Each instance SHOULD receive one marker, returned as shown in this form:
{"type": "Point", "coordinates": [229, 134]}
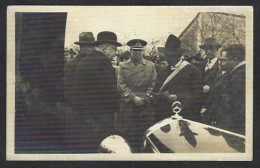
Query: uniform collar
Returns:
{"type": "Point", "coordinates": [143, 61]}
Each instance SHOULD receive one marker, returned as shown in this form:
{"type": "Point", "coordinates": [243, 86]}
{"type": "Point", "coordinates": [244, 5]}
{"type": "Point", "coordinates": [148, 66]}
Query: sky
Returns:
{"type": "Point", "coordinates": [149, 23]}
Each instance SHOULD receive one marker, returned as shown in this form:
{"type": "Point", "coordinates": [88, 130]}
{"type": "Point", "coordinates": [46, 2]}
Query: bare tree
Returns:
{"type": "Point", "coordinates": [227, 28]}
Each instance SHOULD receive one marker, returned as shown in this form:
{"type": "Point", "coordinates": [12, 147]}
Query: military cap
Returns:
{"type": "Point", "coordinates": [137, 44]}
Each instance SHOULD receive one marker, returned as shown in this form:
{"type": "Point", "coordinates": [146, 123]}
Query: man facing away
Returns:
{"type": "Point", "coordinates": [98, 99]}
{"type": "Point", "coordinates": [136, 79]}
{"type": "Point", "coordinates": [86, 45]}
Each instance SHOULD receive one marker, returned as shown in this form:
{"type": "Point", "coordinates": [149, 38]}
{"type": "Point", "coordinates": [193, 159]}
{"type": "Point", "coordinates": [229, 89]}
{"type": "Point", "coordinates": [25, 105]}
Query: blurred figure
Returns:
{"type": "Point", "coordinates": [136, 79]}
{"type": "Point", "coordinates": [86, 44]}
{"type": "Point", "coordinates": [186, 53]}
{"type": "Point", "coordinates": [155, 59]}
{"type": "Point", "coordinates": [115, 144]}
{"type": "Point", "coordinates": [197, 61]}
{"type": "Point", "coordinates": [163, 63]}
{"type": "Point", "coordinates": [124, 56]}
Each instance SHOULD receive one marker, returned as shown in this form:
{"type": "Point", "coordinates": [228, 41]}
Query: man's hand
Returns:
{"type": "Point", "coordinates": [206, 88]}
{"type": "Point", "coordinates": [138, 101]}
{"type": "Point", "coordinates": [172, 97]}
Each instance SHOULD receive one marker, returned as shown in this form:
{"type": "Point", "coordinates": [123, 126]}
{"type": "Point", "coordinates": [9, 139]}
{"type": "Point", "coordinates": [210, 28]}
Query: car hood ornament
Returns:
{"type": "Point", "coordinates": [176, 108]}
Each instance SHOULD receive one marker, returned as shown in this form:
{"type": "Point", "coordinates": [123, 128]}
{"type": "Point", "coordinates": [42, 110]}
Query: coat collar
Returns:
{"type": "Point", "coordinates": [143, 61]}
{"type": "Point", "coordinates": [134, 69]}
{"type": "Point", "coordinates": [239, 65]}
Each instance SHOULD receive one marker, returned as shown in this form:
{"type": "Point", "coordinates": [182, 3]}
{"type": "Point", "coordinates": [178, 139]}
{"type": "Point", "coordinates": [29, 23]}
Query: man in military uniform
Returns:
{"type": "Point", "coordinates": [179, 81]}
{"type": "Point", "coordinates": [136, 79]}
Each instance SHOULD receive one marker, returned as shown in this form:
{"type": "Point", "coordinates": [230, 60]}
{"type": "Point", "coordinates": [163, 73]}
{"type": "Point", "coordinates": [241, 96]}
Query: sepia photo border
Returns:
{"type": "Point", "coordinates": [10, 99]}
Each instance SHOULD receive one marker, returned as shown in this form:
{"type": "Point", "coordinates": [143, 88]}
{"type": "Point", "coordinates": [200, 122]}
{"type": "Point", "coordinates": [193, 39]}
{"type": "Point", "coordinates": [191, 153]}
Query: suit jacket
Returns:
{"type": "Point", "coordinates": [210, 76]}
{"type": "Point", "coordinates": [215, 99]}
{"type": "Point", "coordinates": [233, 105]}
{"type": "Point", "coordinates": [187, 85]}
{"type": "Point", "coordinates": [96, 85]}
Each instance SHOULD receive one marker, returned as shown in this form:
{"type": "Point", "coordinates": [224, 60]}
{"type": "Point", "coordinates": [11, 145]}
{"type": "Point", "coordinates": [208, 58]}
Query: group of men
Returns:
{"type": "Point", "coordinates": [128, 99]}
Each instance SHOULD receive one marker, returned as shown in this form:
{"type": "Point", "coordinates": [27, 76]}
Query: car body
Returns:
{"type": "Point", "coordinates": [178, 135]}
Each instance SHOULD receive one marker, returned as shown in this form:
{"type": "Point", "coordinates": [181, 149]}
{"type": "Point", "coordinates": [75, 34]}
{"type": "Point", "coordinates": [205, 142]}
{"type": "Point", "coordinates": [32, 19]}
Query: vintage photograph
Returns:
{"type": "Point", "coordinates": [129, 83]}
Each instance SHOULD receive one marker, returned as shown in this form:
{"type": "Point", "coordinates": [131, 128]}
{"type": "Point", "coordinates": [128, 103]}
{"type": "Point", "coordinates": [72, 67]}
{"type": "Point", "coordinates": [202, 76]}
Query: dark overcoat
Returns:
{"type": "Point", "coordinates": [233, 105]}
{"type": "Point", "coordinates": [98, 99]}
{"type": "Point", "coordinates": [214, 99]}
{"type": "Point", "coordinates": [187, 86]}
{"type": "Point", "coordinates": [210, 77]}
{"type": "Point", "coordinates": [70, 79]}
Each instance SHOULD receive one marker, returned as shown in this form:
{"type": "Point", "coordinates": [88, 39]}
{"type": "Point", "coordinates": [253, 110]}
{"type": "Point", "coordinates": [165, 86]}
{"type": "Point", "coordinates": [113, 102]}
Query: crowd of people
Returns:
{"type": "Point", "coordinates": [129, 96]}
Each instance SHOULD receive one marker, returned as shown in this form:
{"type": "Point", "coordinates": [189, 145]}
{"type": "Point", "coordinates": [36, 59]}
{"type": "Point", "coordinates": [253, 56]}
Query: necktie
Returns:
{"type": "Point", "coordinates": [207, 65]}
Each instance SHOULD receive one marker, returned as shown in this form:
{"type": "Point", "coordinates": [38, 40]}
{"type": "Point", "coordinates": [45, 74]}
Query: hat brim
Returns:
{"type": "Point", "coordinates": [208, 46]}
{"type": "Point", "coordinates": [137, 48]}
{"type": "Point", "coordinates": [164, 50]}
{"type": "Point", "coordinates": [109, 42]}
{"type": "Point", "coordinates": [132, 42]}
{"type": "Point", "coordinates": [84, 42]}
{"type": "Point", "coordinates": [199, 59]}
{"type": "Point", "coordinates": [161, 49]}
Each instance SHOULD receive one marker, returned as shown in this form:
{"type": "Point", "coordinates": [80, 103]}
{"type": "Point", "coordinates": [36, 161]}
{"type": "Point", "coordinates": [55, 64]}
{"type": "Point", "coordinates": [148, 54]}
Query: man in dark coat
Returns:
{"type": "Point", "coordinates": [211, 71]}
{"type": "Point", "coordinates": [179, 81]}
{"type": "Point", "coordinates": [232, 109]}
{"type": "Point", "coordinates": [136, 79]}
{"type": "Point", "coordinates": [86, 41]}
{"type": "Point", "coordinates": [98, 99]}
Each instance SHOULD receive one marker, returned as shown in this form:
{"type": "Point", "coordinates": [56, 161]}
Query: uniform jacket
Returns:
{"type": "Point", "coordinates": [135, 81]}
{"type": "Point", "coordinates": [187, 85]}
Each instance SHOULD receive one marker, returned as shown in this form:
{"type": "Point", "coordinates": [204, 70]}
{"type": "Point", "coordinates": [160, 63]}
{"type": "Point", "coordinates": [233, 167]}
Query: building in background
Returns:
{"type": "Point", "coordinates": [227, 28]}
